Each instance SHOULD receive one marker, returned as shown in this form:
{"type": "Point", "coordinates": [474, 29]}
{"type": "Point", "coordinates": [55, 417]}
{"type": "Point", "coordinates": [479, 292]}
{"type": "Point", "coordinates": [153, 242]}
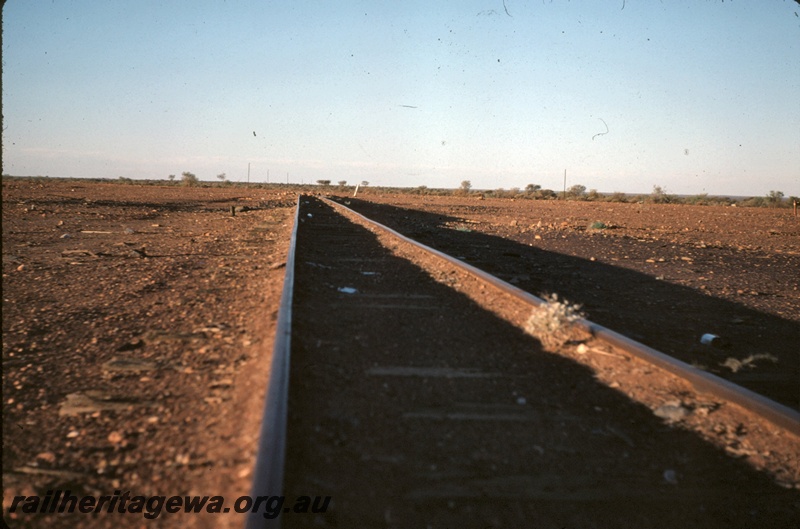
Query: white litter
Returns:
{"type": "Point", "coordinates": [347, 290]}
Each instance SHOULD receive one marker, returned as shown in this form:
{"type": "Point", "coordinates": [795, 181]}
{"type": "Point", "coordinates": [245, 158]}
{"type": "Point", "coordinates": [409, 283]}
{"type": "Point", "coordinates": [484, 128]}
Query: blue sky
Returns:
{"type": "Point", "coordinates": [698, 96]}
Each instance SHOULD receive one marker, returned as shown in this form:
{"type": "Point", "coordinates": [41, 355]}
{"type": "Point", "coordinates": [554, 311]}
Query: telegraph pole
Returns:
{"type": "Point", "coordinates": [248, 174]}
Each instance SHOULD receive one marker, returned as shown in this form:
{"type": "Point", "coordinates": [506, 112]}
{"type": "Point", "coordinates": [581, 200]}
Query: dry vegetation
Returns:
{"type": "Point", "coordinates": [577, 192]}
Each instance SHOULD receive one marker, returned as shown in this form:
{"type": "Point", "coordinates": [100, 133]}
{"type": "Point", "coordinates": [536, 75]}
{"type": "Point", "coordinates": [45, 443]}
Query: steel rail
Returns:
{"type": "Point", "coordinates": [269, 467]}
{"type": "Point", "coordinates": [780, 415]}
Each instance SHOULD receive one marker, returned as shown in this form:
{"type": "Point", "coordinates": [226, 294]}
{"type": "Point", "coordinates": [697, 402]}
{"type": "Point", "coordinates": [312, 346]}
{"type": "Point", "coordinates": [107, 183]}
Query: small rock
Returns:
{"type": "Point", "coordinates": [95, 401]}
{"type": "Point", "coordinates": [222, 383]}
{"type": "Point", "coordinates": [66, 236]}
{"type": "Point", "coordinates": [582, 349]}
{"type": "Point", "coordinates": [130, 365]}
{"type": "Point", "coordinates": [129, 231]}
{"type": "Point", "coordinates": [671, 477]}
{"type": "Point", "coordinates": [137, 343]}
{"type": "Point", "coordinates": [671, 411]}
{"type": "Point", "coordinates": [347, 290]}
{"type": "Point", "coordinates": [48, 457]}
{"type": "Point", "coordinates": [115, 437]}
{"type": "Point", "coordinates": [521, 401]}
{"type": "Point", "coordinates": [73, 434]}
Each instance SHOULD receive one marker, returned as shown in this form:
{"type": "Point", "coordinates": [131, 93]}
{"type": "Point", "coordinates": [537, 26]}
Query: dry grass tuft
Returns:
{"type": "Point", "coordinates": [553, 323]}
{"type": "Point", "coordinates": [736, 365]}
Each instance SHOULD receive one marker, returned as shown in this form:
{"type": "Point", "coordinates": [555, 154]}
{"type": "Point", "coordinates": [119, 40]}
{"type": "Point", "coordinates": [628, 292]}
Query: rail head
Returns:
{"type": "Point", "coordinates": [778, 414]}
{"type": "Point", "coordinates": [269, 467]}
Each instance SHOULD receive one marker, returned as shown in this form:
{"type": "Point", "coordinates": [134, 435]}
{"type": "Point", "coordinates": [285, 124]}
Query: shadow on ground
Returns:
{"type": "Point", "coordinates": [668, 317]}
{"type": "Point", "coordinates": [412, 406]}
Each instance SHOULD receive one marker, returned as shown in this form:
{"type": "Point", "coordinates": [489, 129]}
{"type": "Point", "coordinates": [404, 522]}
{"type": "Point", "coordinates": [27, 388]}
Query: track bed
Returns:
{"type": "Point", "coordinates": [411, 405]}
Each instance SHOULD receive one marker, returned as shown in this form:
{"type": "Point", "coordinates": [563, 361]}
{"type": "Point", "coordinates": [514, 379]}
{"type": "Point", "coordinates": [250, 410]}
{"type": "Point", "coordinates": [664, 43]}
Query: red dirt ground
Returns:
{"type": "Point", "coordinates": [137, 335]}
{"type": "Point", "coordinates": [138, 320]}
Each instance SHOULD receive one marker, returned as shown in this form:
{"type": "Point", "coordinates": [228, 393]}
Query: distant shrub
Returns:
{"type": "Point", "coordinates": [754, 202]}
{"type": "Point", "coordinates": [660, 196]}
{"type": "Point", "coordinates": [576, 191]}
{"type": "Point", "coordinates": [618, 196]}
{"type": "Point", "coordinates": [189, 179]}
{"type": "Point", "coordinates": [775, 199]}
{"type": "Point", "coordinates": [514, 192]}
{"type": "Point", "coordinates": [697, 200]}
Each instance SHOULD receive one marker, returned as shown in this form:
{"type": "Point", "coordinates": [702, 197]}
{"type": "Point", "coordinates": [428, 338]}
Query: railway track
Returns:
{"type": "Point", "coordinates": [404, 387]}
